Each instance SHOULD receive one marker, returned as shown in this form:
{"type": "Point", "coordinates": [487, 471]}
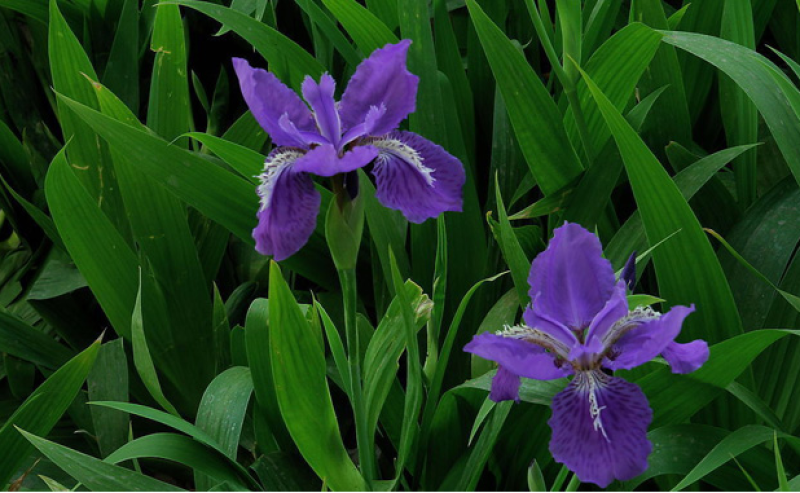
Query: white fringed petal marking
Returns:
{"type": "Point", "coordinates": [594, 408]}
{"type": "Point", "coordinates": [635, 317]}
{"type": "Point", "coordinates": [393, 147]}
{"type": "Point", "coordinates": [535, 336]}
{"type": "Point", "coordinates": [276, 163]}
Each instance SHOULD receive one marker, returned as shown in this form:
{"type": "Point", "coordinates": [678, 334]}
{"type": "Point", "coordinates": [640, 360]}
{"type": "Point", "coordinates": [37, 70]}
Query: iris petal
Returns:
{"type": "Point", "coordinates": [381, 79]}
{"type": "Point", "coordinates": [518, 357]}
{"type": "Point", "coordinates": [535, 319]}
{"type": "Point", "coordinates": [574, 279]}
{"type": "Point", "coordinates": [599, 428]}
{"type": "Point", "coordinates": [320, 97]}
{"type": "Point", "coordinates": [505, 386]}
{"type": "Point", "coordinates": [616, 308]}
{"type": "Point", "coordinates": [269, 99]}
{"type": "Point", "coordinates": [641, 344]}
{"type": "Point", "coordinates": [289, 207]}
{"type": "Point", "coordinates": [686, 358]}
{"type": "Point", "coordinates": [325, 161]}
{"type": "Point", "coordinates": [416, 176]}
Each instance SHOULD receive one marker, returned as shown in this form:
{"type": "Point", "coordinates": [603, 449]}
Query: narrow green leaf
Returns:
{"type": "Point", "coordinates": [483, 448]}
{"type": "Point", "coordinates": [142, 360]}
{"type": "Point", "coordinates": [739, 114]}
{"type": "Point", "coordinates": [222, 412]}
{"type": "Point", "coordinates": [95, 474]}
{"type": "Point", "coordinates": [169, 110]}
{"type": "Point", "coordinates": [337, 348]}
{"type": "Point", "coordinates": [789, 297]}
{"type": "Point", "coordinates": [515, 257]}
{"type": "Point", "coordinates": [108, 380]}
{"type": "Point", "coordinates": [90, 161]}
{"type": "Point", "coordinates": [161, 229]}
{"type": "Point", "coordinates": [331, 31]}
{"type": "Point", "coordinates": [534, 115]}
{"type": "Point", "coordinates": [27, 343]}
{"type": "Point", "coordinates": [275, 47]}
{"type": "Point", "coordinates": [185, 451]}
{"type": "Point", "coordinates": [121, 74]}
{"type": "Point", "coordinates": [670, 119]}
{"type": "Point", "coordinates": [364, 27]}
{"type": "Point", "coordinates": [783, 483]}
{"type": "Point", "coordinates": [536, 478]}
{"type": "Point", "coordinates": [631, 236]}
{"type": "Point", "coordinates": [298, 365]}
{"type": "Point", "coordinates": [381, 360]}
{"type": "Point", "coordinates": [218, 194]}
{"type": "Point", "coordinates": [688, 271]}
{"type": "Point", "coordinates": [414, 391]}
{"type": "Point", "coordinates": [42, 409]}
{"type": "Point", "coordinates": [766, 85]}
{"type": "Point", "coordinates": [174, 422]}
{"type": "Point", "coordinates": [731, 446]}
{"type": "Point", "coordinates": [101, 254]}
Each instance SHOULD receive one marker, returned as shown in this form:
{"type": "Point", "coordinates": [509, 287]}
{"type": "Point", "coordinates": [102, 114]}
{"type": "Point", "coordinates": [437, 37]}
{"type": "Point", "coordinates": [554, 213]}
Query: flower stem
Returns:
{"type": "Point", "coordinates": [366, 456]}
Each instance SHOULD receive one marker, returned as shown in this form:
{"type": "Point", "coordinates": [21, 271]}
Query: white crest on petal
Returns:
{"type": "Point", "coordinates": [535, 336]}
{"type": "Point", "coordinates": [275, 164]}
{"type": "Point", "coordinates": [393, 147]}
{"type": "Point", "coordinates": [633, 319]}
{"type": "Point", "coordinates": [590, 382]}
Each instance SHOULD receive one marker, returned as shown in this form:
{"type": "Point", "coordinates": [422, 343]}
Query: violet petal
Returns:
{"type": "Point", "coordinates": [324, 160]}
{"type": "Point", "coordinates": [320, 97]}
{"type": "Point", "coordinates": [615, 309]}
{"type": "Point", "coordinates": [599, 428]}
{"type": "Point", "coordinates": [381, 79]}
{"type": "Point", "coordinates": [290, 205]}
{"type": "Point", "coordinates": [518, 357]}
{"type": "Point", "coordinates": [416, 176]}
{"type": "Point", "coordinates": [574, 279]}
{"type": "Point", "coordinates": [505, 386]}
{"type": "Point", "coordinates": [686, 358]}
{"type": "Point", "coordinates": [269, 99]}
{"type": "Point", "coordinates": [535, 319]}
{"type": "Point", "coordinates": [646, 341]}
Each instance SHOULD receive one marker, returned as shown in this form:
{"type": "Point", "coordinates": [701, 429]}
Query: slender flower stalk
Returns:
{"type": "Point", "coordinates": [333, 139]}
{"type": "Point", "coordinates": [580, 324]}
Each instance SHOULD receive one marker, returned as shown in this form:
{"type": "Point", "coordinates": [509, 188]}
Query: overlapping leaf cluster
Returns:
{"type": "Point", "coordinates": [138, 323]}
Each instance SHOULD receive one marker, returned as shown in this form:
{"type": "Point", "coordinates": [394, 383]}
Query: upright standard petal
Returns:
{"type": "Point", "coordinates": [644, 342]}
{"type": "Point", "coordinates": [505, 386]}
{"type": "Point", "coordinates": [574, 279]}
{"type": "Point", "coordinates": [616, 309]}
{"type": "Point", "coordinates": [289, 207]}
{"type": "Point", "coordinates": [416, 176]}
{"type": "Point", "coordinates": [269, 99]}
{"type": "Point", "coordinates": [518, 357]}
{"type": "Point", "coordinates": [381, 80]}
{"type": "Point", "coordinates": [535, 319]}
{"type": "Point", "coordinates": [320, 97]}
{"type": "Point", "coordinates": [324, 160]}
{"type": "Point", "coordinates": [686, 358]}
{"type": "Point", "coordinates": [599, 428]}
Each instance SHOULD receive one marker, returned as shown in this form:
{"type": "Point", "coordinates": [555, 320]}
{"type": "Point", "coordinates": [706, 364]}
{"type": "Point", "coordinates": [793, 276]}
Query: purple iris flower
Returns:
{"type": "Point", "coordinates": [579, 324]}
{"type": "Point", "coordinates": [327, 138]}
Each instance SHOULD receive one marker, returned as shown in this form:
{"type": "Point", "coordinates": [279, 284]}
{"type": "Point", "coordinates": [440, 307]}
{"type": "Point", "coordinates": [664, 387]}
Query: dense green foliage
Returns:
{"type": "Point", "coordinates": [146, 346]}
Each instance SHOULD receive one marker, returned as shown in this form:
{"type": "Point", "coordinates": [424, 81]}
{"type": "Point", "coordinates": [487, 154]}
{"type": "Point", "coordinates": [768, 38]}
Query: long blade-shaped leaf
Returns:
{"type": "Point", "coordinates": [42, 410]}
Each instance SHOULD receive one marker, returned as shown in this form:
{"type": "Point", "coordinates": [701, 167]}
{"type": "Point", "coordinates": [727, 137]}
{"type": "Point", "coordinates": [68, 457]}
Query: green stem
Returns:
{"type": "Point", "coordinates": [365, 444]}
